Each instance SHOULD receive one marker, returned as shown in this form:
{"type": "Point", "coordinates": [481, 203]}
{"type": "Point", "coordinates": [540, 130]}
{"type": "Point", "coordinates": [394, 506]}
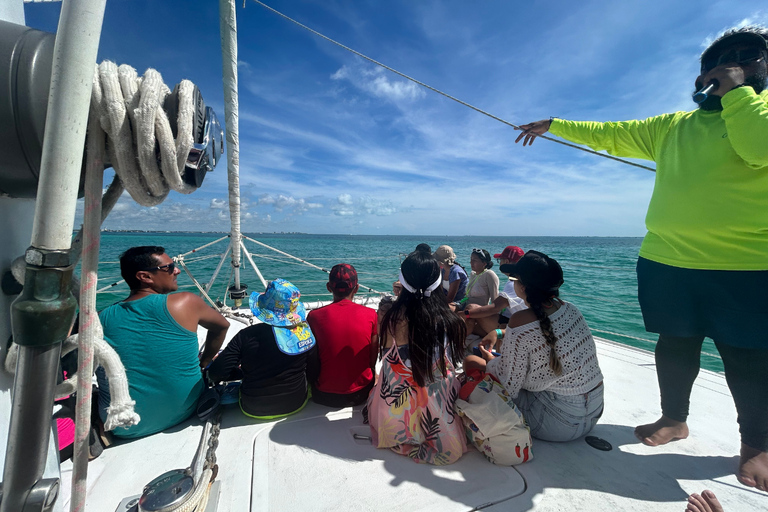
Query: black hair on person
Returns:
{"type": "Point", "coordinates": [138, 258]}
{"type": "Point", "coordinates": [485, 257]}
{"type": "Point", "coordinates": [536, 297]}
{"type": "Point", "coordinates": [429, 319]}
{"type": "Point", "coordinates": [423, 248]}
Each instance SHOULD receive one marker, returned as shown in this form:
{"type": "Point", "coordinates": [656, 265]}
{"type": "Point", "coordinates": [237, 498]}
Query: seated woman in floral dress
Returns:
{"type": "Point", "coordinates": [411, 408]}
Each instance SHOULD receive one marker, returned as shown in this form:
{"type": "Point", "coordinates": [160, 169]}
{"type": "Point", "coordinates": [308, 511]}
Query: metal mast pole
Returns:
{"type": "Point", "coordinates": [228, 27]}
{"type": "Point", "coordinates": [43, 313]}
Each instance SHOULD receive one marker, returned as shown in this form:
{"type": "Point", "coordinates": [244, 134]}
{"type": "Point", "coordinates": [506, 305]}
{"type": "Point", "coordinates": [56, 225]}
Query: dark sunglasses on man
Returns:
{"type": "Point", "coordinates": [741, 56]}
{"type": "Point", "coordinates": [169, 268]}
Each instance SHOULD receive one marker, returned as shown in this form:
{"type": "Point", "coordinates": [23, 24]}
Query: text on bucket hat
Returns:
{"type": "Point", "coordinates": [343, 278]}
{"type": "Point", "coordinates": [537, 270]}
{"type": "Point", "coordinates": [511, 253]}
{"type": "Point", "coordinates": [444, 254]}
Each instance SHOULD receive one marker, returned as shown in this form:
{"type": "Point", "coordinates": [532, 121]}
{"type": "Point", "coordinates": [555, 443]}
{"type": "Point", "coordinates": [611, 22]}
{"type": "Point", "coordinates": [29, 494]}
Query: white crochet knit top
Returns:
{"type": "Point", "coordinates": [524, 360]}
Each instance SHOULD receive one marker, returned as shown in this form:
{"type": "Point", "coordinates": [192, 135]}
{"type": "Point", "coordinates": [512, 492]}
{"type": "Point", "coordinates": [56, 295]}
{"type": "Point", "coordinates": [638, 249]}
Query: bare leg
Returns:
{"type": "Point", "coordinates": [662, 431]}
{"type": "Point", "coordinates": [474, 363]}
{"type": "Point", "coordinates": [753, 468]}
{"type": "Point", "coordinates": [707, 502]}
{"type": "Point", "coordinates": [485, 325]}
{"type": "Point", "coordinates": [677, 364]}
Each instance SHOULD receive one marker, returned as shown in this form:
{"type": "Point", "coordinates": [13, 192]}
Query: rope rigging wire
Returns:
{"type": "Point", "coordinates": [438, 91]}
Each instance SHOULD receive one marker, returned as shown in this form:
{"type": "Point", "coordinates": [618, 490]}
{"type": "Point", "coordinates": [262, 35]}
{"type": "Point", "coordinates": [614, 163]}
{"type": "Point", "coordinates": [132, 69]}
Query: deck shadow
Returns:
{"type": "Point", "coordinates": [647, 477]}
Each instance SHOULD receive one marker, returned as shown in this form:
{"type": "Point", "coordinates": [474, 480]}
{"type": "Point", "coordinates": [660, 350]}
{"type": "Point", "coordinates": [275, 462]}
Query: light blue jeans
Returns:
{"type": "Point", "coordinates": [554, 417]}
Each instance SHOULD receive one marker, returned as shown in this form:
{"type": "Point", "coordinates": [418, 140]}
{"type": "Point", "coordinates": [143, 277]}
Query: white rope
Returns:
{"type": "Point", "coordinates": [130, 112]}
{"type": "Point", "coordinates": [90, 325]}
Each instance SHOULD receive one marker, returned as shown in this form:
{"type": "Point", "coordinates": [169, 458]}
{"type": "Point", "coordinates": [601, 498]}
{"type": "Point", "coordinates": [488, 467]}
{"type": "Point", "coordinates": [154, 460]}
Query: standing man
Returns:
{"type": "Point", "coordinates": [344, 364]}
{"type": "Point", "coordinates": [155, 334]}
{"type": "Point", "coordinates": [703, 265]}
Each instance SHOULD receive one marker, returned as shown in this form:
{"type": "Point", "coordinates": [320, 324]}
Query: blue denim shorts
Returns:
{"type": "Point", "coordinates": [555, 417]}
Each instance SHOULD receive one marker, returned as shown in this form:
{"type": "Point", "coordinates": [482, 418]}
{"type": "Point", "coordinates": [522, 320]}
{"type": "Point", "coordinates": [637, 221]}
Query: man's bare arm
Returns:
{"type": "Point", "coordinates": [190, 311]}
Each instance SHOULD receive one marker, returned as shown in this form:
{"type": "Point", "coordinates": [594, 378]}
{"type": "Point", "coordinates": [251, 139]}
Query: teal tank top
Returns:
{"type": "Point", "coordinates": [161, 363]}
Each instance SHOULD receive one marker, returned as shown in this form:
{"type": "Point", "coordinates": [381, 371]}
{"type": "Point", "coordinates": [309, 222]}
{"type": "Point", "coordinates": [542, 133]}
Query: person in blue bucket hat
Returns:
{"type": "Point", "coordinates": [271, 355]}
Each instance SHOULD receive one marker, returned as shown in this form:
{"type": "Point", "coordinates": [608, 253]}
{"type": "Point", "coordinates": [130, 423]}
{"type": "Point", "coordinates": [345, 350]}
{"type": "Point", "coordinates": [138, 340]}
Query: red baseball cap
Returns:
{"type": "Point", "coordinates": [343, 278]}
{"type": "Point", "coordinates": [511, 253]}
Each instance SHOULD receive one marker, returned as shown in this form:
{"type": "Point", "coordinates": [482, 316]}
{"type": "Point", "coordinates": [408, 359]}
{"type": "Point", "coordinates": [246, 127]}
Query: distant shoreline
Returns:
{"type": "Point", "coordinates": [299, 233]}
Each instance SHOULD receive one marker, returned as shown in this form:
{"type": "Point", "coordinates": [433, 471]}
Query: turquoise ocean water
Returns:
{"type": "Point", "coordinates": [599, 272]}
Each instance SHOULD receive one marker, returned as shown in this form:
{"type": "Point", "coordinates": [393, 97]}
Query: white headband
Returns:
{"type": "Point", "coordinates": [427, 292]}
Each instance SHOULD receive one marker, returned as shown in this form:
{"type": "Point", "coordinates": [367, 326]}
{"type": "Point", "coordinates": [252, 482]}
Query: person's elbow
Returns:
{"type": "Point", "coordinates": [215, 324]}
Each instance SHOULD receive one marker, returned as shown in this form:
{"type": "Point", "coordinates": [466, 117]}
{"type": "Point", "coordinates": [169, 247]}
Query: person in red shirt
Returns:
{"type": "Point", "coordinates": [347, 344]}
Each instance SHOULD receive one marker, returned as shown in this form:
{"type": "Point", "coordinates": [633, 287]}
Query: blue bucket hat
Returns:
{"type": "Point", "coordinates": [280, 307]}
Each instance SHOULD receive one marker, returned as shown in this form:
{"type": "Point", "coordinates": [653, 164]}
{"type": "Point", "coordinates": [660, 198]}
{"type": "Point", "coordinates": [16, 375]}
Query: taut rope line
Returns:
{"type": "Point", "coordinates": [457, 100]}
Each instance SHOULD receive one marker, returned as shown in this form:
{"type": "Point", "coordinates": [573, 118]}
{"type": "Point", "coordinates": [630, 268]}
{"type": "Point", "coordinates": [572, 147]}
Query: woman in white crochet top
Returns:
{"type": "Point", "coordinates": [548, 360]}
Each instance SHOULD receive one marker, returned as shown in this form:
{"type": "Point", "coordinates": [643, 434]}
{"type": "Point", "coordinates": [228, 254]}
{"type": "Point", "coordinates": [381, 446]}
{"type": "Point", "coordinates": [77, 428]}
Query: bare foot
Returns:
{"type": "Point", "coordinates": [753, 468]}
{"type": "Point", "coordinates": [707, 502]}
{"type": "Point", "coordinates": [661, 432]}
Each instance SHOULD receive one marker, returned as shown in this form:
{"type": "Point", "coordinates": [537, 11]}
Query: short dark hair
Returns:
{"type": "Point", "coordinates": [138, 258]}
{"type": "Point", "coordinates": [423, 248]}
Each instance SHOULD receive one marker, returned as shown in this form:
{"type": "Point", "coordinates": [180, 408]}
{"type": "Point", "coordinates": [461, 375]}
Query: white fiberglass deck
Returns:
{"type": "Point", "coordinates": [311, 461]}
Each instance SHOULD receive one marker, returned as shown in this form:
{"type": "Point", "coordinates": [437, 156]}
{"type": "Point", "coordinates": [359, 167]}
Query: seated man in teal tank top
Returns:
{"type": "Point", "coordinates": [155, 334]}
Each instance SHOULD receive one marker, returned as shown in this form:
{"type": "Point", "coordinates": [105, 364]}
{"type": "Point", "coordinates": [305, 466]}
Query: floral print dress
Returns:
{"type": "Point", "coordinates": [419, 422]}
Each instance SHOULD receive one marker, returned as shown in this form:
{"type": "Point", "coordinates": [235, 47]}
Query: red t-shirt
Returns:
{"type": "Point", "coordinates": [343, 331]}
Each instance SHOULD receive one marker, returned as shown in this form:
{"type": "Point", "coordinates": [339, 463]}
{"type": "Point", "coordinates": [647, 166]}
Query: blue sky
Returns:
{"type": "Point", "coordinates": [329, 143]}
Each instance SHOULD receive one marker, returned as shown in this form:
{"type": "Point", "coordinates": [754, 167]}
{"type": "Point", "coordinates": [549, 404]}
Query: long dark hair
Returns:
{"type": "Point", "coordinates": [430, 320]}
{"type": "Point", "coordinates": [536, 298]}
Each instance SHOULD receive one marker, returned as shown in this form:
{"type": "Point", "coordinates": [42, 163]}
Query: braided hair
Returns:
{"type": "Point", "coordinates": [536, 299]}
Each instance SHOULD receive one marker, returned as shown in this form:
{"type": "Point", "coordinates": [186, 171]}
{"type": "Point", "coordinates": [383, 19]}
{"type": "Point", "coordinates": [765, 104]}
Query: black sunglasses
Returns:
{"type": "Point", "coordinates": [170, 268]}
{"type": "Point", "coordinates": [741, 57]}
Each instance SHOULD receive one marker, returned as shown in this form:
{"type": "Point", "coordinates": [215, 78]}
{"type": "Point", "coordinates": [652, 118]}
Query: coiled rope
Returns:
{"type": "Point", "coordinates": [438, 91]}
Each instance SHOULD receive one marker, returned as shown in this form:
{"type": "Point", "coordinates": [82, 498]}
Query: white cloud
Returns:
{"type": "Point", "coordinates": [282, 202]}
{"type": "Point", "coordinates": [347, 206]}
{"type": "Point", "coordinates": [218, 204]}
{"type": "Point", "coordinates": [380, 83]}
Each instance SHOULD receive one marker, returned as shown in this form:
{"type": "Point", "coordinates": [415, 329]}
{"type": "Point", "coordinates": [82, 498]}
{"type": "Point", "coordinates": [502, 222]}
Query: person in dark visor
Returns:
{"type": "Point", "coordinates": [707, 237]}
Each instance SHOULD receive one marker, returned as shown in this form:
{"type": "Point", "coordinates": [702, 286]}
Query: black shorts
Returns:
{"type": "Point", "coordinates": [503, 320]}
{"type": "Point", "coordinates": [728, 306]}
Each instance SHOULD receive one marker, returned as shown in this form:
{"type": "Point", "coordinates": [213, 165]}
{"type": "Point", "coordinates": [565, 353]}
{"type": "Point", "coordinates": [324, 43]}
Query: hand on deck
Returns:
{"type": "Point", "coordinates": [532, 130]}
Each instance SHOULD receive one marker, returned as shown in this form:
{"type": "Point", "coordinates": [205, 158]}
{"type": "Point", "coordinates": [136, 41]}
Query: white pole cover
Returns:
{"type": "Point", "coordinates": [74, 59]}
{"type": "Point", "coordinates": [228, 27]}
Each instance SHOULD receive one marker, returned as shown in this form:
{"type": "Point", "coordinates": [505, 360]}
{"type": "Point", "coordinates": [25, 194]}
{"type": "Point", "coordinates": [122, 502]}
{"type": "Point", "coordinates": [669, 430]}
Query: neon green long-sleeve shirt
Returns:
{"type": "Point", "coordinates": [709, 208]}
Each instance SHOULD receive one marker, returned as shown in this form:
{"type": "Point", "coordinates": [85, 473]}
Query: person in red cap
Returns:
{"type": "Point", "coordinates": [347, 343]}
{"type": "Point", "coordinates": [496, 315]}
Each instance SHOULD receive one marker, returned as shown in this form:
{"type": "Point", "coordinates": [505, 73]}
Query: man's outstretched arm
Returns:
{"type": "Point", "coordinates": [633, 139]}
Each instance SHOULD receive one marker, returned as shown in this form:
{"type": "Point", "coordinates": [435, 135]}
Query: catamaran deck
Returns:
{"type": "Point", "coordinates": [311, 461]}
